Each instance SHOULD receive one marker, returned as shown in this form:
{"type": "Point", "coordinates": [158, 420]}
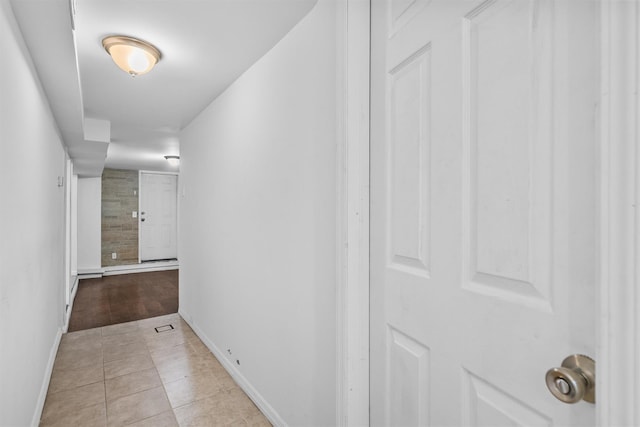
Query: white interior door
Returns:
{"type": "Point", "coordinates": [482, 208]}
{"type": "Point", "coordinates": [158, 216]}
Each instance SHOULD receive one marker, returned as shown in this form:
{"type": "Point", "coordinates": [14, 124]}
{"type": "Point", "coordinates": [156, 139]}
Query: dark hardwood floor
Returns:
{"type": "Point", "coordinates": [124, 298]}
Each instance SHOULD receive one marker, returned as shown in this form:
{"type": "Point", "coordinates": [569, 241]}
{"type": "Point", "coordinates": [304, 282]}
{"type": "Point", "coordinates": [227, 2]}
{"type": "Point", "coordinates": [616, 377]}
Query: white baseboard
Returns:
{"type": "Point", "coordinates": [141, 268]}
{"type": "Point", "coordinates": [67, 315]}
{"type": "Point", "coordinates": [244, 384]}
{"type": "Point", "coordinates": [35, 421]}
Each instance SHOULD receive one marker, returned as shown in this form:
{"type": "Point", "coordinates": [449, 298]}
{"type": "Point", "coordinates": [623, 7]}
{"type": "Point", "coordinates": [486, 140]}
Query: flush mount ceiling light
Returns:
{"type": "Point", "coordinates": [132, 55]}
{"type": "Point", "coordinates": [173, 160]}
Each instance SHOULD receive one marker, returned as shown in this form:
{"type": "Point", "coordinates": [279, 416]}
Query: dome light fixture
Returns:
{"type": "Point", "coordinates": [173, 160]}
{"type": "Point", "coordinates": [133, 56]}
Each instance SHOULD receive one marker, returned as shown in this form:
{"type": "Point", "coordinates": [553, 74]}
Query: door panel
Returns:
{"type": "Point", "coordinates": [507, 138]}
{"type": "Point", "coordinates": [158, 216]}
{"type": "Point", "coordinates": [409, 174]}
{"type": "Point", "coordinates": [482, 208]}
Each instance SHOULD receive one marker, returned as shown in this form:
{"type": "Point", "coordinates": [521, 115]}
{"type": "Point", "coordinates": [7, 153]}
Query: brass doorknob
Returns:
{"type": "Point", "coordinates": [574, 381]}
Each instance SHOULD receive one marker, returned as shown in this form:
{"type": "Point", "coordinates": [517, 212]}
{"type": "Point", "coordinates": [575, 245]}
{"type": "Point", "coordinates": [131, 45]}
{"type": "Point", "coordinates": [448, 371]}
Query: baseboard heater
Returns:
{"type": "Point", "coordinates": [143, 267]}
{"type": "Point", "coordinates": [90, 273]}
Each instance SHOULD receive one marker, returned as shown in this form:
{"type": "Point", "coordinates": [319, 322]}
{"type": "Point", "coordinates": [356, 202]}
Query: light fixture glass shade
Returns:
{"type": "Point", "coordinates": [131, 55]}
{"type": "Point", "coordinates": [173, 160]}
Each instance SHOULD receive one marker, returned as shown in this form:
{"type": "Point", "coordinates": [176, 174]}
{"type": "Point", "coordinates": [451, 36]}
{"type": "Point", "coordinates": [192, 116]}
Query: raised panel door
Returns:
{"type": "Point", "coordinates": [482, 208]}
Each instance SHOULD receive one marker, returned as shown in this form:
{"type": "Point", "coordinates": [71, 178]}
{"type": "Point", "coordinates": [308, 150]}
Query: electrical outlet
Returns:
{"type": "Point", "coordinates": [134, 214]}
{"type": "Point", "coordinates": [114, 255]}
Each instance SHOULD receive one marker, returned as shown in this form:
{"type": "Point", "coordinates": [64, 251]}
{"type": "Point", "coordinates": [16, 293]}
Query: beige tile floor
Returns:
{"type": "Point", "coordinates": [129, 374]}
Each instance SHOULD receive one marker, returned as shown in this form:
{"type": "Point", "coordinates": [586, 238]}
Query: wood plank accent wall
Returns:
{"type": "Point", "coordinates": [119, 228]}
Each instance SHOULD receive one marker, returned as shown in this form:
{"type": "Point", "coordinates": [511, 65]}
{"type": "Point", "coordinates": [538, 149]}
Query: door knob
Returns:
{"type": "Point", "coordinates": [574, 381]}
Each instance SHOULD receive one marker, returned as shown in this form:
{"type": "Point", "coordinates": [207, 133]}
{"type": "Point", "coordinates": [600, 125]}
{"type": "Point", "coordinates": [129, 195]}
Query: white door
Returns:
{"type": "Point", "coordinates": [482, 208]}
{"type": "Point", "coordinates": [158, 216]}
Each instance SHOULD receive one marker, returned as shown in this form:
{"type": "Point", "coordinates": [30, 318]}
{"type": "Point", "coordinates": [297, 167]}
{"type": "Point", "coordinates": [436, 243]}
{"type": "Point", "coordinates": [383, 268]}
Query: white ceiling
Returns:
{"type": "Point", "coordinates": [205, 46]}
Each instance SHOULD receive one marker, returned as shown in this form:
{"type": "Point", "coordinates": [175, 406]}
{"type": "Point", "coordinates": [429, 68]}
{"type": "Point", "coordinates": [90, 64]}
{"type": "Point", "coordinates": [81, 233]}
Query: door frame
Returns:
{"type": "Point", "coordinates": [177, 174]}
{"type": "Point", "coordinates": [618, 290]}
{"type": "Point", "coordinates": [618, 245]}
{"type": "Point", "coordinates": [352, 231]}
{"type": "Point", "coordinates": [65, 182]}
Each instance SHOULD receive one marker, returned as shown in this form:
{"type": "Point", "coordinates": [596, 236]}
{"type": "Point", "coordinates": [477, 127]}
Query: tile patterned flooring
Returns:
{"type": "Point", "coordinates": [129, 374]}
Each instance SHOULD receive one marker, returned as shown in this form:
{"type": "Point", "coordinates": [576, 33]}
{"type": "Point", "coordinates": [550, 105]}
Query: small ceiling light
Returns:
{"type": "Point", "coordinates": [173, 160]}
{"type": "Point", "coordinates": [133, 56]}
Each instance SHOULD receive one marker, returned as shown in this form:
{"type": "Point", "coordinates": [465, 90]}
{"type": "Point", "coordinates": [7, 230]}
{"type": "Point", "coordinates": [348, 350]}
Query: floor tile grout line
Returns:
{"type": "Point", "coordinates": [71, 388]}
{"type": "Point", "coordinates": [175, 416]}
{"type": "Point", "coordinates": [137, 391]}
{"type": "Point", "coordinates": [124, 358]}
{"type": "Point", "coordinates": [146, 418]}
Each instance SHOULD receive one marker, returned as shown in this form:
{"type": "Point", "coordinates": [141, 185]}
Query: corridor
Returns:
{"type": "Point", "coordinates": [348, 179]}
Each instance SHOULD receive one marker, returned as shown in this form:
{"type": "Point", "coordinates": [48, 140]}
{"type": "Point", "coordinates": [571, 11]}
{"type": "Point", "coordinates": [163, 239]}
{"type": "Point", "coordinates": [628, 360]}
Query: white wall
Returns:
{"type": "Point", "coordinates": [89, 224]}
{"type": "Point", "coordinates": [258, 223]}
{"type": "Point", "coordinates": [32, 234]}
